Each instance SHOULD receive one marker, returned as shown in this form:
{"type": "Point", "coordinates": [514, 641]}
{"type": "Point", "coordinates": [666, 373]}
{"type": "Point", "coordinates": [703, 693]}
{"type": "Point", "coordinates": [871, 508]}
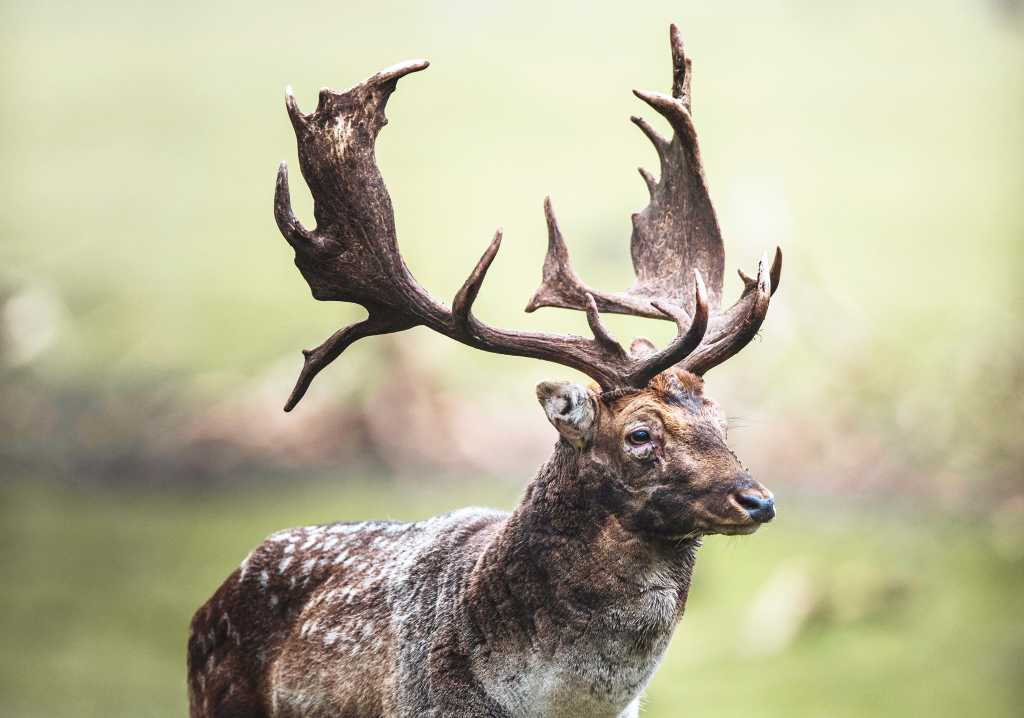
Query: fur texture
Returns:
{"type": "Point", "coordinates": [562, 608]}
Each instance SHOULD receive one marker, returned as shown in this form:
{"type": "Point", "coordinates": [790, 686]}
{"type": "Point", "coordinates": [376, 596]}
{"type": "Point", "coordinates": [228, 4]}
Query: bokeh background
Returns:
{"type": "Point", "coordinates": [151, 320]}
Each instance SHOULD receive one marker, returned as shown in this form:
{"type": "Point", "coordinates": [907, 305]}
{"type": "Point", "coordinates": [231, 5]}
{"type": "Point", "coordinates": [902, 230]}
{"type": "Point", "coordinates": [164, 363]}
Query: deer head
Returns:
{"type": "Point", "coordinates": [656, 459]}
{"type": "Point", "coordinates": [646, 421]}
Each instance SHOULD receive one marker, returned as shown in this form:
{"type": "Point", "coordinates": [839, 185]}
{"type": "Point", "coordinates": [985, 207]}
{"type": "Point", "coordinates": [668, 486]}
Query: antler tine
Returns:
{"type": "Point", "coordinates": [661, 148]}
{"type": "Point", "coordinates": [294, 113]}
{"type": "Point", "coordinates": [292, 230]}
{"type": "Point", "coordinates": [775, 274]}
{"type": "Point", "coordinates": [601, 333]}
{"type": "Point", "coordinates": [652, 184]}
{"type": "Point", "coordinates": [398, 71]}
{"type": "Point", "coordinates": [734, 329]}
{"type": "Point", "coordinates": [680, 67]}
{"type": "Point", "coordinates": [776, 271]}
{"type": "Point", "coordinates": [562, 287]}
{"type": "Point", "coordinates": [688, 337]}
{"type": "Point", "coordinates": [385, 80]}
{"type": "Point", "coordinates": [673, 109]}
{"type": "Point", "coordinates": [462, 306]}
{"type": "Point", "coordinates": [471, 331]}
{"type": "Point", "coordinates": [315, 360]}
{"type": "Point", "coordinates": [560, 281]}
{"type": "Point", "coordinates": [660, 143]}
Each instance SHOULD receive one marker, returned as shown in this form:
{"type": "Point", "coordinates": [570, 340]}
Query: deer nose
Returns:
{"type": "Point", "coordinates": [758, 507]}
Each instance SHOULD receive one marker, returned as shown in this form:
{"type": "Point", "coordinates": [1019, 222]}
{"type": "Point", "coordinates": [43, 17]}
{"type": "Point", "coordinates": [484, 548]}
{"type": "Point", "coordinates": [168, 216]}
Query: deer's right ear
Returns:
{"type": "Point", "coordinates": [570, 409]}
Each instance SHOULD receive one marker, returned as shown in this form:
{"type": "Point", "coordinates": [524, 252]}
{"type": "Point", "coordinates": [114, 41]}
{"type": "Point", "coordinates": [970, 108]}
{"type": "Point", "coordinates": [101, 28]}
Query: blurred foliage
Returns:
{"type": "Point", "coordinates": [150, 321]}
{"type": "Point", "coordinates": [876, 144]}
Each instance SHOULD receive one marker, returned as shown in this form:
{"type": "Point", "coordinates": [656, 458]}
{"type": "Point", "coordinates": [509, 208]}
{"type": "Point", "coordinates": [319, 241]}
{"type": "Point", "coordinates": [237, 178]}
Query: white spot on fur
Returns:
{"type": "Point", "coordinates": [346, 528]}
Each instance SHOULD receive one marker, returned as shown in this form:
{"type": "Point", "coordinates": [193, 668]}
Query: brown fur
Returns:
{"type": "Point", "coordinates": [563, 607]}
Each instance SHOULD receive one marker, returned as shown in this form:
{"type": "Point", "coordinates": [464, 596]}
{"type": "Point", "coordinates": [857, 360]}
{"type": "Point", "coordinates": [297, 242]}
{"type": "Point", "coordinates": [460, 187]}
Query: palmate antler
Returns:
{"type": "Point", "coordinates": [675, 234]}
{"type": "Point", "coordinates": [352, 254]}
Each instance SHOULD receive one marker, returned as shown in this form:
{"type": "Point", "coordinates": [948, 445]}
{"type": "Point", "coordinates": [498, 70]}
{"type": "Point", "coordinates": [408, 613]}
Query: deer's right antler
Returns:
{"type": "Point", "coordinates": [352, 255]}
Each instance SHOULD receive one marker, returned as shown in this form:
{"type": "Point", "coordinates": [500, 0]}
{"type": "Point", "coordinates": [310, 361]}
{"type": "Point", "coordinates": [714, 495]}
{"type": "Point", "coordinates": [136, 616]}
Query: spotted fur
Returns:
{"type": "Point", "coordinates": [562, 608]}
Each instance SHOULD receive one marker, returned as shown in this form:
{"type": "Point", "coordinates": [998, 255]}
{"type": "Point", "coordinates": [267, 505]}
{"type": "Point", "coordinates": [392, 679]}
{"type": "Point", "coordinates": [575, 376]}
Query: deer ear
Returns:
{"type": "Point", "coordinates": [570, 409]}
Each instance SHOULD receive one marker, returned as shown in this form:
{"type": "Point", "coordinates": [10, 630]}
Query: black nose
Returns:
{"type": "Point", "coordinates": [759, 508]}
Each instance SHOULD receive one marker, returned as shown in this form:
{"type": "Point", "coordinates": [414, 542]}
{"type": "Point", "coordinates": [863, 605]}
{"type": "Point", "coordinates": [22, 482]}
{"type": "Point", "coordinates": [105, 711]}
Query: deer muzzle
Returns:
{"type": "Point", "coordinates": [758, 504]}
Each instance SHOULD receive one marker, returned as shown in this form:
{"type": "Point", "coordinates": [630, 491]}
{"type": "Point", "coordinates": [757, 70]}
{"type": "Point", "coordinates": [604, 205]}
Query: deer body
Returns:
{"type": "Point", "coordinates": [565, 606]}
{"type": "Point", "coordinates": [554, 610]}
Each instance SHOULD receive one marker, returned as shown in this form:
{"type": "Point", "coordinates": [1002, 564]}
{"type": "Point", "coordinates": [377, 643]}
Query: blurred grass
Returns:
{"type": "Point", "coordinates": [101, 587]}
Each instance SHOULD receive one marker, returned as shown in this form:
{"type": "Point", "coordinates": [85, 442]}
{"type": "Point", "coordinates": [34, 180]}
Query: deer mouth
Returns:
{"type": "Point", "coordinates": [723, 528]}
{"type": "Point", "coordinates": [730, 529]}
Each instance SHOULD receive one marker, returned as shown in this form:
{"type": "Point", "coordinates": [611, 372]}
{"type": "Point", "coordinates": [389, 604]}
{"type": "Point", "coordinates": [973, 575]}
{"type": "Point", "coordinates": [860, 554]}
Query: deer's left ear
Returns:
{"type": "Point", "coordinates": [570, 409]}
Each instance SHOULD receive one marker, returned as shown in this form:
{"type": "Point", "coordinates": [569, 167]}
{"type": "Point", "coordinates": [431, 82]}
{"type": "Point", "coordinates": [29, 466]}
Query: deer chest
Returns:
{"type": "Point", "coordinates": [598, 671]}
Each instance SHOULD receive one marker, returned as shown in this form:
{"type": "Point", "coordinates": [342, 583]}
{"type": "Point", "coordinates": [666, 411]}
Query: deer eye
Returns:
{"type": "Point", "coordinates": [638, 436]}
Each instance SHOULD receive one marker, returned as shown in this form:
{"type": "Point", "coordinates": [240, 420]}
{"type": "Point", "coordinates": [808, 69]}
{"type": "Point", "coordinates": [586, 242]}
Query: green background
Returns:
{"type": "Point", "coordinates": [144, 289]}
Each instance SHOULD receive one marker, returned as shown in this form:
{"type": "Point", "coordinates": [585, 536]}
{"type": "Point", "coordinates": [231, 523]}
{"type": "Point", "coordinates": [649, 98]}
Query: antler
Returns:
{"type": "Point", "coordinates": [677, 232]}
{"type": "Point", "coordinates": [353, 256]}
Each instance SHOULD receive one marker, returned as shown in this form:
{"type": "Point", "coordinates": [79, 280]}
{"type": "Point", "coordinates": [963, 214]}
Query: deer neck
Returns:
{"type": "Point", "coordinates": [564, 571]}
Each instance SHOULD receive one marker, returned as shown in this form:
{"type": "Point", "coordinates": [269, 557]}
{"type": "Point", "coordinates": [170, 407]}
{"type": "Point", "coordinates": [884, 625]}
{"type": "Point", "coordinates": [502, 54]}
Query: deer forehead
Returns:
{"type": "Point", "coordinates": [675, 399]}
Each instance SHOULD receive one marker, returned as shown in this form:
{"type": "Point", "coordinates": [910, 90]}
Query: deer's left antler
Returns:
{"type": "Point", "coordinates": [674, 235]}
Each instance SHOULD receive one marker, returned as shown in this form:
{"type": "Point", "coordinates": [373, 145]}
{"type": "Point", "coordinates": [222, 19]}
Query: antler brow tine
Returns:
{"type": "Point", "coordinates": [601, 333]}
{"type": "Point", "coordinates": [688, 337]}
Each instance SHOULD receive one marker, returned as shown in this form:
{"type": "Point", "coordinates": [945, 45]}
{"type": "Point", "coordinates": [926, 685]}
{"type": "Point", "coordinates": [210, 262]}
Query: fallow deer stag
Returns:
{"type": "Point", "coordinates": [565, 606]}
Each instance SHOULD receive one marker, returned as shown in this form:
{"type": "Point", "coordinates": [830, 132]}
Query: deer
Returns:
{"type": "Point", "coordinates": [565, 605]}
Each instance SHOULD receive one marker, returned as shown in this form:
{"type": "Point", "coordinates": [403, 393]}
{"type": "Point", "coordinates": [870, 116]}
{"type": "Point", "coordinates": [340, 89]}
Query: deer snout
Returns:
{"type": "Point", "coordinates": [758, 503]}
